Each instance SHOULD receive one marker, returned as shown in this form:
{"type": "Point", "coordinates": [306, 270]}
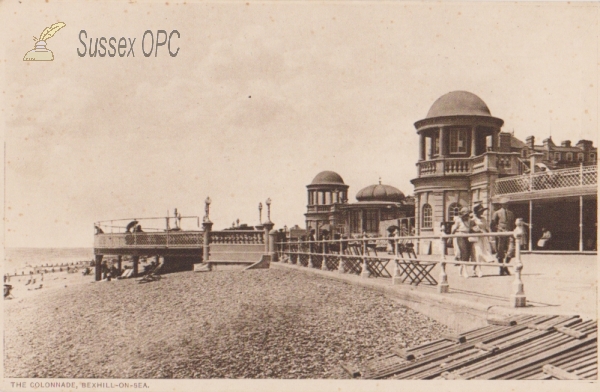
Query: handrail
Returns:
{"type": "Point", "coordinates": [296, 249]}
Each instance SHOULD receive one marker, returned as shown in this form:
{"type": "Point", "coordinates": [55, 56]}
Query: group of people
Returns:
{"type": "Point", "coordinates": [480, 248]}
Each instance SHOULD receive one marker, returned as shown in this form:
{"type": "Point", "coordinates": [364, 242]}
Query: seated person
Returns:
{"type": "Point", "coordinates": [544, 239]}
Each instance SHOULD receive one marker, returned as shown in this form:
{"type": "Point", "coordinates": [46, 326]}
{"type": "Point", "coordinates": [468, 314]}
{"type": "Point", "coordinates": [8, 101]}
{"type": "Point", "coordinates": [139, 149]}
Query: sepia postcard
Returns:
{"type": "Point", "coordinates": [299, 195]}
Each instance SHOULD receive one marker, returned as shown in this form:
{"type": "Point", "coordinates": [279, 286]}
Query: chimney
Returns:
{"type": "Point", "coordinates": [566, 143]}
{"type": "Point", "coordinates": [530, 141]}
{"type": "Point", "coordinates": [505, 141]}
{"type": "Point", "coordinates": [548, 143]}
{"type": "Point", "coordinates": [585, 144]}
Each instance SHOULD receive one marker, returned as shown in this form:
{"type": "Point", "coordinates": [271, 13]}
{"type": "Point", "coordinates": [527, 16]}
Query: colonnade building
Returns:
{"type": "Point", "coordinates": [377, 207]}
{"type": "Point", "coordinates": [465, 159]}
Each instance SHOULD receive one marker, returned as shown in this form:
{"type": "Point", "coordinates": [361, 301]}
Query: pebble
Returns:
{"type": "Point", "coordinates": [224, 324]}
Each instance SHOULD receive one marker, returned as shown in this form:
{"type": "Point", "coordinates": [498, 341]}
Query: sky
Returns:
{"type": "Point", "coordinates": [260, 98]}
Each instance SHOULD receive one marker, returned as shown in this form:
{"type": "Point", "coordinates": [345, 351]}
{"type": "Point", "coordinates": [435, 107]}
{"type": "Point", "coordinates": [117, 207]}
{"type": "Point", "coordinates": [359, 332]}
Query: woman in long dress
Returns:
{"type": "Point", "coordinates": [482, 249]}
{"type": "Point", "coordinates": [462, 226]}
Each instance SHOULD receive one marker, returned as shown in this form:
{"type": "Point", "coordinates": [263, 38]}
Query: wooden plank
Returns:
{"type": "Point", "coordinates": [351, 370]}
{"type": "Point", "coordinates": [512, 351]}
{"type": "Point", "coordinates": [487, 347]}
{"type": "Point", "coordinates": [560, 360]}
{"type": "Point", "coordinates": [504, 322]}
{"type": "Point", "coordinates": [572, 332]}
{"type": "Point", "coordinates": [544, 356]}
{"type": "Point", "coordinates": [454, 337]}
{"type": "Point", "coordinates": [559, 373]}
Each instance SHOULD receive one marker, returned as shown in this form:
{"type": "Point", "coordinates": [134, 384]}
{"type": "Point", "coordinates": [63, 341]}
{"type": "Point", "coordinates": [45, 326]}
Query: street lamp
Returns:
{"type": "Point", "coordinates": [268, 203]}
{"type": "Point", "coordinates": [207, 208]}
{"type": "Point", "coordinates": [260, 213]}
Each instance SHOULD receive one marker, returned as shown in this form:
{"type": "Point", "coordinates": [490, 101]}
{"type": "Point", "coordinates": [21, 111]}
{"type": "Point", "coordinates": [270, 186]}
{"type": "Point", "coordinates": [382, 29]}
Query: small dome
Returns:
{"type": "Point", "coordinates": [458, 103]}
{"type": "Point", "coordinates": [380, 192]}
{"type": "Point", "coordinates": [327, 177]}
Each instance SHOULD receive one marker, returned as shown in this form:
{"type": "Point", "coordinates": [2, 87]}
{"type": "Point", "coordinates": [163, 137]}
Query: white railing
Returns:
{"type": "Point", "coordinates": [359, 256]}
{"type": "Point", "coordinates": [556, 179]}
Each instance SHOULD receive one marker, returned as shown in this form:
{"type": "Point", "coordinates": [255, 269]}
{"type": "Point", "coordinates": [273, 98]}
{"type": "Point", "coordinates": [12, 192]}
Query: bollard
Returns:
{"type": "Point", "coordinates": [443, 286]}
{"type": "Point", "coordinates": [518, 299]}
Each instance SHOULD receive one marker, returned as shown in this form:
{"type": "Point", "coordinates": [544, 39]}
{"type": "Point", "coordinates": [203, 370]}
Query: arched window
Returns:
{"type": "Point", "coordinates": [427, 217]}
{"type": "Point", "coordinates": [453, 210]}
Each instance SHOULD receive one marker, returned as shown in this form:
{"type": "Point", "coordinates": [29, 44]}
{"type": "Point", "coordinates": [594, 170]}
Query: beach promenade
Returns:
{"type": "Point", "coordinates": [554, 285]}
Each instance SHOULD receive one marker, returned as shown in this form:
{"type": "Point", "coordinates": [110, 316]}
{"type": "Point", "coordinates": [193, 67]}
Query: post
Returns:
{"type": "Point", "coordinates": [119, 263]}
{"type": "Point", "coordinates": [518, 299]}
{"type": "Point", "coordinates": [273, 246]}
{"type": "Point", "coordinates": [341, 268]}
{"type": "Point", "coordinates": [268, 226]}
{"type": "Point", "coordinates": [530, 224]}
{"type": "Point", "coordinates": [324, 251]}
{"type": "Point", "coordinates": [397, 279]}
{"type": "Point", "coordinates": [310, 248]}
{"type": "Point", "coordinates": [98, 267]}
{"type": "Point", "coordinates": [581, 223]}
{"type": "Point", "coordinates": [365, 270]}
{"type": "Point", "coordinates": [207, 226]}
{"type": "Point", "coordinates": [136, 261]}
{"type": "Point", "coordinates": [443, 286]}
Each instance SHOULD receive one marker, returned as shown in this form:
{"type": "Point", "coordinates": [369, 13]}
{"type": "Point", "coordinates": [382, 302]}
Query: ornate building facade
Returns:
{"type": "Point", "coordinates": [377, 207]}
{"type": "Point", "coordinates": [465, 159]}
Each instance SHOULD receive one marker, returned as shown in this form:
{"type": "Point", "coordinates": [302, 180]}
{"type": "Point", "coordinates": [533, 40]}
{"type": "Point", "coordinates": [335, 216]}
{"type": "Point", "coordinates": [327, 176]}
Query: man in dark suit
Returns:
{"type": "Point", "coordinates": [503, 220]}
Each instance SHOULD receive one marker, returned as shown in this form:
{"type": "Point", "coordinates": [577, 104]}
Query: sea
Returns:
{"type": "Point", "coordinates": [16, 259]}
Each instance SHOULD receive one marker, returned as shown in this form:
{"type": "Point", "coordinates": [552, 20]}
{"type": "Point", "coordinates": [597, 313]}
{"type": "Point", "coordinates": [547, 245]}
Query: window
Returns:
{"type": "Point", "coordinates": [458, 141]}
{"type": "Point", "coordinates": [453, 210]}
{"type": "Point", "coordinates": [580, 157]}
{"type": "Point", "coordinates": [372, 221]}
{"type": "Point", "coordinates": [354, 221]}
{"type": "Point", "coordinates": [524, 153]}
{"type": "Point", "coordinates": [592, 157]}
{"type": "Point", "coordinates": [436, 145]}
{"type": "Point", "coordinates": [570, 156]}
{"type": "Point", "coordinates": [427, 217]}
{"type": "Point", "coordinates": [489, 143]}
{"type": "Point", "coordinates": [557, 156]}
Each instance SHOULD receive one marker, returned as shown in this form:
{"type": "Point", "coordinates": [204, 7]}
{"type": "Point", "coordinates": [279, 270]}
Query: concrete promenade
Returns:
{"type": "Point", "coordinates": [554, 285]}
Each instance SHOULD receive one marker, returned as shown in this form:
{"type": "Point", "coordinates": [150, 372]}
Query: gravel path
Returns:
{"type": "Point", "coordinates": [223, 324]}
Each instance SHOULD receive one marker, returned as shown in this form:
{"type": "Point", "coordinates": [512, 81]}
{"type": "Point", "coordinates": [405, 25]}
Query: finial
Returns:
{"type": "Point", "coordinates": [379, 180]}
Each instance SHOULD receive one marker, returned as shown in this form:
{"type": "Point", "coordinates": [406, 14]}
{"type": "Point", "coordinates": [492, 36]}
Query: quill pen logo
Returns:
{"type": "Point", "coordinates": [40, 53]}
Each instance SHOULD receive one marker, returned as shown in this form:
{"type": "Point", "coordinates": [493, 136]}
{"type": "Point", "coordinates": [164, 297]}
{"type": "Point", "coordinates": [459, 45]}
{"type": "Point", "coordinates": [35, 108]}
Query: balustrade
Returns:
{"type": "Point", "coordinates": [555, 179]}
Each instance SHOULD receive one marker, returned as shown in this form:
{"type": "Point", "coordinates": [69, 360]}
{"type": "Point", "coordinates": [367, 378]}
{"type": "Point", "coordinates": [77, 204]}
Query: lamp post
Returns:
{"type": "Point", "coordinates": [207, 209]}
{"type": "Point", "coordinates": [260, 213]}
{"type": "Point", "coordinates": [268, 203]}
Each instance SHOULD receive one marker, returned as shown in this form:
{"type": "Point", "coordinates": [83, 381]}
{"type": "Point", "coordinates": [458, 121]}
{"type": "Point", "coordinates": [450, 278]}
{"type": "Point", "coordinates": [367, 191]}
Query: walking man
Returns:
{"type": "Point", "coordinates": [503, 220]}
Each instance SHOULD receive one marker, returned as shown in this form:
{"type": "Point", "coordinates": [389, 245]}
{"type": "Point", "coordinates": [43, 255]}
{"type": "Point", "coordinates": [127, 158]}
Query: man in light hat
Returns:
{"type": "Point", "coordinates": [503, 220]}
{"type": "Point", "coordinates": [462, 225]}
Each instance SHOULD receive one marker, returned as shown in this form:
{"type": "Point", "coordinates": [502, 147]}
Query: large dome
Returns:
{"type": "Point", "coordinates": [327, 177]}
{"type": "Point", "coordinates": [458, 103]}
{"type": "Point", "coordinates": [380, 192]}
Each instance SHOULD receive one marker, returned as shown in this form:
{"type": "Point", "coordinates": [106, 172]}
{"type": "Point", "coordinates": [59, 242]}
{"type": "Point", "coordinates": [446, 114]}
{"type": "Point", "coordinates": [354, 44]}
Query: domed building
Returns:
{"type": "Point", "coordinates": [465, 159]}
{"type": "Point", "coordinates": [377, 207]}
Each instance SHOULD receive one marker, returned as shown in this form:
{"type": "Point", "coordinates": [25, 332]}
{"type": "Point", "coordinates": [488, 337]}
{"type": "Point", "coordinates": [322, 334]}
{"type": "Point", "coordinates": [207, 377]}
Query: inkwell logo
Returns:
{"type": "Point", "coordinates": [40, 53]}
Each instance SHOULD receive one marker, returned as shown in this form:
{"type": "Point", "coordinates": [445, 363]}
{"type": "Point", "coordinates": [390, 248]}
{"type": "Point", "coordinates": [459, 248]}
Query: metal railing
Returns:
{"type": "Point", "coordinates": [334, 255]}
{"type": "Point", "coordinates": [556, 179]}
{"type": "Point", "coordinates": [168, 239]}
